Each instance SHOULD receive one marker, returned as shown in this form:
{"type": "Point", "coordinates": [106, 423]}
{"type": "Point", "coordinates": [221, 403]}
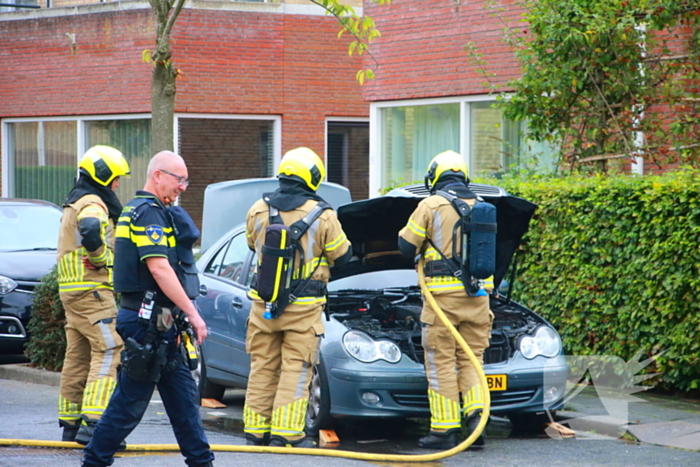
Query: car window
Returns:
{"type": "Point", "coordinates": [214, 266]}
{"type": "Point", "coordinates": [234, 259]}
{"type": "Point", "coordinates": [29, 227]}
{"type": "Point", "coordinates": [252, 270]}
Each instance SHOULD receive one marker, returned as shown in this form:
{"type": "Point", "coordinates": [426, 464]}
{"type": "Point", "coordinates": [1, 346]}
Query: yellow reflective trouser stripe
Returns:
{"type": "Point", "coordinates": [255, 423]}
{"type": "Point", "coordinates": [97, 395]}
{"type": "Point", "coordinates": [444, 413]}
{"type": "Point", "coordinates": [473, 400]}
{"type": "Point", "coordinates": [67, 410]}
{"type": "Point", "coordinates": [335, 243]}
{"type": "Point", "coordinates": [288, 421]}
{"type": "Point", "coordinates": [85, 285]}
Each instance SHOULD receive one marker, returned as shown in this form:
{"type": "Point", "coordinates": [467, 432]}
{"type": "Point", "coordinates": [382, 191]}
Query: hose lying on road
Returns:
{"type": "Point", "coordinates": [325, 452]}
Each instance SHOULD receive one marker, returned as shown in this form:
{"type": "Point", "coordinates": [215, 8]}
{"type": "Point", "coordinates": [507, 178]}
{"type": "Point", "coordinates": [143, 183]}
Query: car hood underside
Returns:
{"type": "Point", "coordinates": [372, 227]}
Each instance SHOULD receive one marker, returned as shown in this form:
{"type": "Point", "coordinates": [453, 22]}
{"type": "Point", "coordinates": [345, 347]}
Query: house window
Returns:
{"type": "Point", "coordinates": [133, 138]}
{"type": "Point", "coordinates": [42, 155]}
{"type": "Point", "coordinates": [347, 156]}
{"type": "Point", "coordinates": [412, 136]}
{"type": "Point", "coordinates": [411, 133]}
{"type": "Point", "coordinates": [42, 159]}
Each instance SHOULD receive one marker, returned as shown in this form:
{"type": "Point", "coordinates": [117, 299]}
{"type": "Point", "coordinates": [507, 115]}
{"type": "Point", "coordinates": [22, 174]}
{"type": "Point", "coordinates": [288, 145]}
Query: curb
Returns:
{"type": "Point", "coordinates": [595, 424]}
{"type": "Point", "coordinates": [27, 374]}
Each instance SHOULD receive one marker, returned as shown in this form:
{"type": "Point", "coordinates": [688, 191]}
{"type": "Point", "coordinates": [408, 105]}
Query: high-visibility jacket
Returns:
{"type": "Point", "coordinates": [323, 243]}
{"type": "Point", "coordinates": [74, 279]}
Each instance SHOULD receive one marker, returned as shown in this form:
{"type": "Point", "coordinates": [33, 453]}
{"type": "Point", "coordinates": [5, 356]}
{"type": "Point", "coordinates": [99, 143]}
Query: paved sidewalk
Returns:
{"type": "Point", "coordinates": [650, 418]}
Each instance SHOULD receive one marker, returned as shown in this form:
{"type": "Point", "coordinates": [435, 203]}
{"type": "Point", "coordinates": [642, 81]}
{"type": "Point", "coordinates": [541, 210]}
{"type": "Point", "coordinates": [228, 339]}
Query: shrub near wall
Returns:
{"type": "Point", "coordinates": [613, 263]}
{"type": "Point", "coordinates": [47, 344]}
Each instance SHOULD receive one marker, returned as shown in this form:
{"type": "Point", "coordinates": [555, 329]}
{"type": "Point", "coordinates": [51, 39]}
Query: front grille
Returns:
{"type": "Point", "coordinates": [419, 400]}
{"type": "Point", "coordinates": [499, 349]}
{"type": "Point", "coordinates": [28, 286]}
{"type": "Point", "coordinates": [501, 398]}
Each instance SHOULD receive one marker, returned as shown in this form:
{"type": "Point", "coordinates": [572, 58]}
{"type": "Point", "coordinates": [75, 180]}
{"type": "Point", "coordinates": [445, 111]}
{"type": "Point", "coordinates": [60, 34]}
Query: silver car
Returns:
{"type": "Point", "coordinates": [371, 362]}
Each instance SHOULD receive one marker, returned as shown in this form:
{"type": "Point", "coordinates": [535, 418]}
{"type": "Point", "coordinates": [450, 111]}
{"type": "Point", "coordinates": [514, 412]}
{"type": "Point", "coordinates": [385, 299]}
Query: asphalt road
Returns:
{"type": "Point", "coordinates": [27, 411]}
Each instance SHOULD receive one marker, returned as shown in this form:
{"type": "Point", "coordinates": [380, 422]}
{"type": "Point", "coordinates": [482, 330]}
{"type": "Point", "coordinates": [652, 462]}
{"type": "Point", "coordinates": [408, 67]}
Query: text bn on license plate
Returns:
{"type": "Point", "coordinates": [497, 382]}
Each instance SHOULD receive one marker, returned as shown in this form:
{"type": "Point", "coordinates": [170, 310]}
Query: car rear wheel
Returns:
{"type": "Point", "coordinates": [207, 389]}
{"type": "Point", "coordinates": [318, 413]}
{"type": "Point", "coordinates": [530, 421]}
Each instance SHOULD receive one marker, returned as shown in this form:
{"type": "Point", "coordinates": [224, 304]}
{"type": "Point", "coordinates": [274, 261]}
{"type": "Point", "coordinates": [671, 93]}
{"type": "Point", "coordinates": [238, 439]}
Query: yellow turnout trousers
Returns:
{"type": "Point", "coordinates": [282, 353]}
{"type": "Point", "coordinates": [447, 367]}
{"type": "Point", "coordinates": [92, 355]}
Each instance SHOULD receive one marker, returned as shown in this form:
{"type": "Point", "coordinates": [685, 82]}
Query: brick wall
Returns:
{"type": "Point", "coordinates": [421, 52]}
{"type": "Point", "coordinates": [232, 62]}
{"type": "Point", "coordinates": [217, 150]}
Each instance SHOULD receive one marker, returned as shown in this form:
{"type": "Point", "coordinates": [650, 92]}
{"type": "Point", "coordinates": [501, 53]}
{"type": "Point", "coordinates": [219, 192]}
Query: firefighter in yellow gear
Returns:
{"type": "Point", "coordinates": [284, 348]}
{"type": "Point", "coordinates": [85, 258]}
{"type": "Point", "coordinates": [429, 232]}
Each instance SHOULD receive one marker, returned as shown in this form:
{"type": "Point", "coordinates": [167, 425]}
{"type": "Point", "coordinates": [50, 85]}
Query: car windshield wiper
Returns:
{"type": "Point", "coordinates": [40, 248]}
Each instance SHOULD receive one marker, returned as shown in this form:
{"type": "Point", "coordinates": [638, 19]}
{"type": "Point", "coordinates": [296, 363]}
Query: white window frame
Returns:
{"type": "Point", "coordinates": [376, 131]}
{"type": "Point", "coordinates": [81, 122]}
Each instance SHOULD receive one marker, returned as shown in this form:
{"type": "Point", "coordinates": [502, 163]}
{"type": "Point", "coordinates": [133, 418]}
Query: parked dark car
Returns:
{"type": "Point", "coordinates": [28, 239]}
{"type": "Point", "coordinates": [371, 362]}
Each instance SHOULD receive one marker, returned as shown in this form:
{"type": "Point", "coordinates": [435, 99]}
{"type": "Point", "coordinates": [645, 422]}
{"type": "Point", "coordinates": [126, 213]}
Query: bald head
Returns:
{"type": "Point", "coordinates": [164, 160]}
{"type": "Point", "coordinates": [166, 176]}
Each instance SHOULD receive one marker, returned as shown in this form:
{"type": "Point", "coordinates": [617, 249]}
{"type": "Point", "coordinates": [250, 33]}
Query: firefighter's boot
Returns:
{"type": "Point", "coordinates": [281, 441]}
{"type": "Point", "coordinates": [70, 430]}
{"type": "Point", "coordinates": [252, 440]}
{"type": "Point", "coordinates": [438, 440]}
{"type": "Point", "coordinates": [472, 423]}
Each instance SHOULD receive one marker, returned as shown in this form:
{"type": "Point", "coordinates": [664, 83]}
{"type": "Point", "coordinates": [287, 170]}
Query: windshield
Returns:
{"type": "Point", "coordinates": [376, 280]}
{"type": "Point", "coordinates": [29, 227]}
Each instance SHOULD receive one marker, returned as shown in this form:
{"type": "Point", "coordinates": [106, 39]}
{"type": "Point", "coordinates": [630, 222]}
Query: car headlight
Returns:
{"type": "Point", "coordinates": [367, 350]}
{"type": "Point", "coordinates": [7, 285]}
{"type": "Point", "coordinates": [544, 341]}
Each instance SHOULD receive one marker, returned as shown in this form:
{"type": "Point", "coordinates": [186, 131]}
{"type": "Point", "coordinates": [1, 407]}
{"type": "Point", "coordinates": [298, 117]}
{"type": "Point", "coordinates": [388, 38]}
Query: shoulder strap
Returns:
{"type": "Point", "coordinates": [462, 207]}
{"type": "Point", "coordinates": [300, 227]}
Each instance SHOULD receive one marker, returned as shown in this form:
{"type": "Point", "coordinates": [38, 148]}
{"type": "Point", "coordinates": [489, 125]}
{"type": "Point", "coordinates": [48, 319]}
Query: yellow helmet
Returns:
{"type": "Point", "coordinates": [445, 163]}
{"type": "Point", "coordinates": [103, 164]}
{"type": "Point", "coordinates": [304, 165]}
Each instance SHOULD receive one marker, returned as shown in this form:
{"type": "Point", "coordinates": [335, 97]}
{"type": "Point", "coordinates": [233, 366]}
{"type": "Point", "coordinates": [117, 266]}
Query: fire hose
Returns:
{"type": "Point", "coordinates": [324, 452]}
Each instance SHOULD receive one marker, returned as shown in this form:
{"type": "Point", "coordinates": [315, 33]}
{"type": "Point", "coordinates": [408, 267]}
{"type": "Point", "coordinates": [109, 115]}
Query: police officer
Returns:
{"type": "Point", "coordinates": [429, 231]}
{"type": "Point", "coordinates": [85, 256]}
{"type": "Point", "coordinates": [283, 349]}
{"type": "Point", "coordinates": [146, 267]}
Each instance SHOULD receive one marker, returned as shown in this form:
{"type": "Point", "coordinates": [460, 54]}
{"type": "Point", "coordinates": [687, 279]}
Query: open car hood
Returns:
{"type": "Point", "coordinates": [373, 225]}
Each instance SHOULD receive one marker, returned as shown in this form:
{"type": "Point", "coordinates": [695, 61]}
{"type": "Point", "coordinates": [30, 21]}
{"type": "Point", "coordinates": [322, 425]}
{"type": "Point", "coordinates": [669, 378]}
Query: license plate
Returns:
{"type": "Point", "coordinates": [497, 382]}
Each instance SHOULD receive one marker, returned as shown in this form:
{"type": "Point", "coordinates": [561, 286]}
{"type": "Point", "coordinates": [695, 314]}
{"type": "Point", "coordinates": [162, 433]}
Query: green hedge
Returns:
{"type": "Point", "coordinates": [47, 344]}
{"type": "Point", "coordinates": [613, 263]}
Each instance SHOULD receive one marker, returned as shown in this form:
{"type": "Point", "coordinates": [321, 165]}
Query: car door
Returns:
{"type": "Point", "coordinates": [225, 306]}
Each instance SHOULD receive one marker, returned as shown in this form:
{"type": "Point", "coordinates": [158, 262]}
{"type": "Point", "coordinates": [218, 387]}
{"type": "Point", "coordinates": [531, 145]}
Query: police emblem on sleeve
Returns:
{"type": "Point", "coordinates": [154, 233]}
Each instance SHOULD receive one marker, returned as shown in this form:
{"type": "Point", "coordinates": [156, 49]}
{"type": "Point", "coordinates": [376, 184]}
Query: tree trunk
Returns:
{"type": "Point", "coordinates": [162, 108]}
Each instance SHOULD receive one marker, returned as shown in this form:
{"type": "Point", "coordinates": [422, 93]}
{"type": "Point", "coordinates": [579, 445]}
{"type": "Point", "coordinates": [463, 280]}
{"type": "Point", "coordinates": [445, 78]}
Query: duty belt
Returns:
{"type": "Point", "coordinates": [132, 301]}
{"type": "Point", "coordinates": [437, 268]}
